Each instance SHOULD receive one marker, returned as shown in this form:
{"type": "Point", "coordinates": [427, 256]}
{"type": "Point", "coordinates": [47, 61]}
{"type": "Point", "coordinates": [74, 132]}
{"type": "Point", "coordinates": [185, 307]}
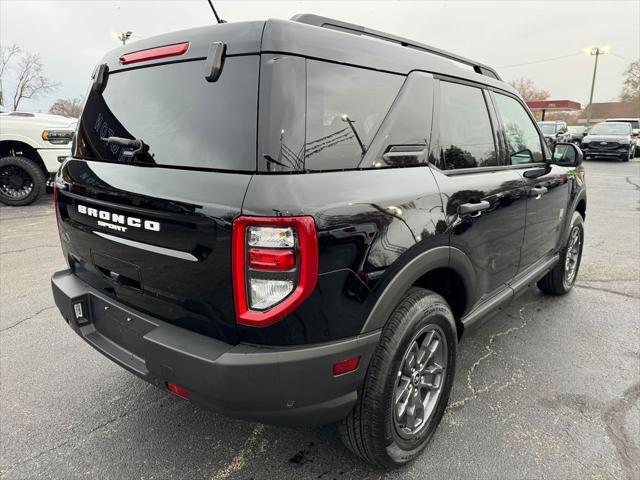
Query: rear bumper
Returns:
{"type": "Point", "coordinates": [279, 385]}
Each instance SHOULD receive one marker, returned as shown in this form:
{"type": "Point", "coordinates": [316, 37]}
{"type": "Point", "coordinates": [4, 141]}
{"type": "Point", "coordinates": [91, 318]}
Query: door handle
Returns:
{"type": "Point", "coordinates": [538, 192]}
{"type": "Point", "coordinates": [473, 207]}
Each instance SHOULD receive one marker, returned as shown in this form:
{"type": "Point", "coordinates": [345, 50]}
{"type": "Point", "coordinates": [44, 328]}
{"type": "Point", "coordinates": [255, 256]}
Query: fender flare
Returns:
{"type": "Point", "coordinates": [397, 286]}
{"type": "Point", "coordinates": [582, 195]}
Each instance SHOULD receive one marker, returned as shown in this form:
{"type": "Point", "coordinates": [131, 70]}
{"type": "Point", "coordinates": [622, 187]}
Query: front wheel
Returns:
{"type": "Point", "coordinates": [561, 279]}
{"type": "Point", "coordinates": [407, 384]}
{"type": "Point", "coordinates": [21, 181]}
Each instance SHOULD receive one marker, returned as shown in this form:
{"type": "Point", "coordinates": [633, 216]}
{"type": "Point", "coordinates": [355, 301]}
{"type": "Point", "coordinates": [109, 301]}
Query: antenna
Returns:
{"type": "Point", "coordinates": [219, 20]}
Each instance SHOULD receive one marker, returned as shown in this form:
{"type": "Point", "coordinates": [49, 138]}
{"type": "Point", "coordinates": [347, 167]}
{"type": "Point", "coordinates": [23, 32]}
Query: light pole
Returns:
{"type": "Point", "coordinates": [595, 51]}
{"type": "Point", "coordinates": [124, 36]}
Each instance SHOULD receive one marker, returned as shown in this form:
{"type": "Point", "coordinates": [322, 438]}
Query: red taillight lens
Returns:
{"type": "Point", "coordinates": [154, 53]}
{"type": "Point", "coordinates": [271, 259]}
{"type": "Point", "coordinates": [345, 366]}
{"type": "Point", "coordinates": [177, 389]}
{"type": "Point", "coordinates": [275, 266]}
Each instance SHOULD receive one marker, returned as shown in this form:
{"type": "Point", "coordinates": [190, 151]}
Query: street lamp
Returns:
{"type": "Point", "coordinates": [594, 51]}
{"type": "Point", "coordinates": [123, 37]}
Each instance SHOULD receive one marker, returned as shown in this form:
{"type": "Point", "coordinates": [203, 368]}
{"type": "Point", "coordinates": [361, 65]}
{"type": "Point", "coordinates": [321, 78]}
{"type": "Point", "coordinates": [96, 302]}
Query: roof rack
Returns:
{"type": "Point", "coordinates": [318, 21]}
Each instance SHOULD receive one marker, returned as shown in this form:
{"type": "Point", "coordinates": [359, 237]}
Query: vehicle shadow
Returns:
{"type": "Point", "coordinates": [212, 446]}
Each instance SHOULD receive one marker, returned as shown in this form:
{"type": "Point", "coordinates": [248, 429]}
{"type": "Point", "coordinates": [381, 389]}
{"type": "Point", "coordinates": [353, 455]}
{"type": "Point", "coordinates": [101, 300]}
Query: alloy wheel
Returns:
{"type": "Point", "coordinates": [420, 381]}
{"type": "Point", "coordinates": [573, 255]}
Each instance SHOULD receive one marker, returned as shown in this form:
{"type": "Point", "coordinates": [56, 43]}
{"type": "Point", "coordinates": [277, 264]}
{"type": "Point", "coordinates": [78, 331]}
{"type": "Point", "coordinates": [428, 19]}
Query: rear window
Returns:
{"type": "Point", "coordinates": [185, 120]}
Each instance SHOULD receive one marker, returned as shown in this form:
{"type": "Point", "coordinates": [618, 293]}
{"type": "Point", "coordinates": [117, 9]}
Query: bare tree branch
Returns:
{"type": "Point", "coordinates": [6, 54]}
{"type": "Point", "coordinates": [31, 80]}
{"type": "Point", "coordinates": [528, 90]}
{"type": "Point", "coordinates": [5, 57]}
{"type": "Point", "coordinates": [67, 107]}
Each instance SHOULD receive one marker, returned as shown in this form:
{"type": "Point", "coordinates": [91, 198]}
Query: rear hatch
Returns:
{"type": "Point", "coordinates": [152, 229]}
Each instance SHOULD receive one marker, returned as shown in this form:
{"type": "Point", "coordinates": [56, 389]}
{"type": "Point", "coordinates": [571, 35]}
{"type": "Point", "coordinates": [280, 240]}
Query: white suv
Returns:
{"type": "Point", "coordinates": [32, 146]}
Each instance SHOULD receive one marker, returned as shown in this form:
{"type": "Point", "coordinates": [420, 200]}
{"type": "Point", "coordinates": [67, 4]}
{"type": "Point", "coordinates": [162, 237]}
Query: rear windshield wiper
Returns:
{"type": "Point", "coordinates": [134, 147]}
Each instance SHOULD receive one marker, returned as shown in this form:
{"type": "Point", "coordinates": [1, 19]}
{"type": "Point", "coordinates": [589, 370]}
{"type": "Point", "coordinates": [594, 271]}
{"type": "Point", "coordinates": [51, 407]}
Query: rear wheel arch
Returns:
{"type": "Point", "coordinates": [444, 270]}
{"type": "Point", "coordinates": [16, 148]}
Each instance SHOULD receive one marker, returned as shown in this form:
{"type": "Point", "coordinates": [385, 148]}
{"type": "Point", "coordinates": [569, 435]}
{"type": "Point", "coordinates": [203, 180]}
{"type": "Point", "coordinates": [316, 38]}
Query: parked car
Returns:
{"type": "Point", "coordinates": [331, 214]}
{"type": "Point", "coordinates": [32, 146]}
{"type": "Point", "coordinates": [609, 140]}
{"type": "Point", "coordinates": [554, 131]}
{"type": "Point", "coordinates": [575, 134]}
{"type": "Point", "coordinates": [635, 130]}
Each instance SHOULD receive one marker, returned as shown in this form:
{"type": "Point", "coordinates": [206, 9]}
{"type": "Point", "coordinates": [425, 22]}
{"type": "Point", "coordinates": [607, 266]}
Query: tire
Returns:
{"type": "Point", "coordinates": [21, 181]}
{"type": "Point", "coordinates": [560, 280]}
{"type": "Point", "coordinates": [372, 431]}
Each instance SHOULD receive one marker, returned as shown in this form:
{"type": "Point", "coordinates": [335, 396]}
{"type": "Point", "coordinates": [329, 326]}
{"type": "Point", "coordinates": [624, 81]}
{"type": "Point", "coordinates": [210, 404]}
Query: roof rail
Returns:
{"type": "Point", "coordinates": [318, 21]}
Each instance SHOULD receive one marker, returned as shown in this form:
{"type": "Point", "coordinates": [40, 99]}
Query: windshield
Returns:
{"type": "Point", "coordinates": [576, 129]}
{"type": "Point", "coordinates": [633, 123]}
{"type": "Point", "coordinates": [547, 128]}
{"type": "Point", "coordinates": [611, 129]}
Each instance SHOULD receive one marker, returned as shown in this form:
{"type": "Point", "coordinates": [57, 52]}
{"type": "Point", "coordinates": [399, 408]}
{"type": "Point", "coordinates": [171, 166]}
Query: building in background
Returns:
{"type": "Point", "coordinates": [602, 111]}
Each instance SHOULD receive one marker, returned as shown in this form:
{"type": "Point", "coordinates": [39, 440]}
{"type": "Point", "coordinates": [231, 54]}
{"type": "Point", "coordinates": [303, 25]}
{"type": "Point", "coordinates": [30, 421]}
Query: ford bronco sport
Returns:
{"type": "Point", "coordinates": [295, 222]}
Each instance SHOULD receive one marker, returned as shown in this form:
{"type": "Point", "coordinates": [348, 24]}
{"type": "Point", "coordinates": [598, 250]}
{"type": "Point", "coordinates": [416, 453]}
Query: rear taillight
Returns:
{"type": "Point", "coordinates": [275, 266]}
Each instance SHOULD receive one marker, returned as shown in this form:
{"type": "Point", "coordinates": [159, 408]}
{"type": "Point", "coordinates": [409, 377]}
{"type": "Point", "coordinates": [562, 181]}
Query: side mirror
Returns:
{"type": "Point", "coordinates": [567, 155]}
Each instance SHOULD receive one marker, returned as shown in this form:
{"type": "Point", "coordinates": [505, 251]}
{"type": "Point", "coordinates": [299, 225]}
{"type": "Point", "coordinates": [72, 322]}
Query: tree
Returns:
{"type": "Point", "coordinates": [30, 80]}
{"type": "Point", "coordinates": [6, 54]}
{"type": "Point", "coordinates": [528, 90]}
{"type": "Point", "coordinates": [67, 107]}
{"type": "Point", "coordinates": [631, 83]}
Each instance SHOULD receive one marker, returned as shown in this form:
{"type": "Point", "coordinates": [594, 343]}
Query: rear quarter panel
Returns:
{"type": "Point", "coordinates": [367, 220]}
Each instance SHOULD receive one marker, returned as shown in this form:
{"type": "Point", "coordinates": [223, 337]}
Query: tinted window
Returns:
{"type": "Point", "coordinates": [344, 104]}
{"type": "Point", "coordinates": [403, 138]}
{"type": "Point", "coordinates": [466, 137]}
{"type": "Point", "coordinates": [523, 139]}
{"type": "Point", "coordinates": [184, 119]}
{"type": "Point", "coordinates": [282, 113]}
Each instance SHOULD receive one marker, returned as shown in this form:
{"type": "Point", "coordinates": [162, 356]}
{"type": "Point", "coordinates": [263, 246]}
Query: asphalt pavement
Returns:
{"type": "Point", "coordinates": [548, 389]}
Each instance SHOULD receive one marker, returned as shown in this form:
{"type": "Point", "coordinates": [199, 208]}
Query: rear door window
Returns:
{"type": "Point", "coordinates": [466, 134]}
{"type": "Point", "coordinates": [185, 120]}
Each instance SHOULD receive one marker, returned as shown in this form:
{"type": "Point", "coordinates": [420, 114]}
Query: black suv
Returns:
{"type": "Point", "coordinates": [295, 222]}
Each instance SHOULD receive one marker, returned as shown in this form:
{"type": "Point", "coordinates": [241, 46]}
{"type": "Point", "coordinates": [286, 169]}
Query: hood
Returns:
{"type": "Point", "coordinates": [46, 120]}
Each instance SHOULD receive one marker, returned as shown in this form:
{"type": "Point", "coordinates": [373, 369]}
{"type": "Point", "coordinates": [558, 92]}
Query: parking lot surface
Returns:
{"type": "Point", "coordinates": [548, 388]}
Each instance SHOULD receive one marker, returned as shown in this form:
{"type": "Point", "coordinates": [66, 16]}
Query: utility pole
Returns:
{"type": "Point", "coordinates": [595, 51]}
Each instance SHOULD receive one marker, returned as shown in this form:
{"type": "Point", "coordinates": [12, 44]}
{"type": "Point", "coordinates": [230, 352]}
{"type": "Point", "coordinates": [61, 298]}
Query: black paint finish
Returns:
{"type": "Point", "coordinates": [378, 217]}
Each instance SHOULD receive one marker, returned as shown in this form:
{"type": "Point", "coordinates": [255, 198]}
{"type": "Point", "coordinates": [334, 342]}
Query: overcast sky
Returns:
{"type": "Point", "coordinates": [71, 36]}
